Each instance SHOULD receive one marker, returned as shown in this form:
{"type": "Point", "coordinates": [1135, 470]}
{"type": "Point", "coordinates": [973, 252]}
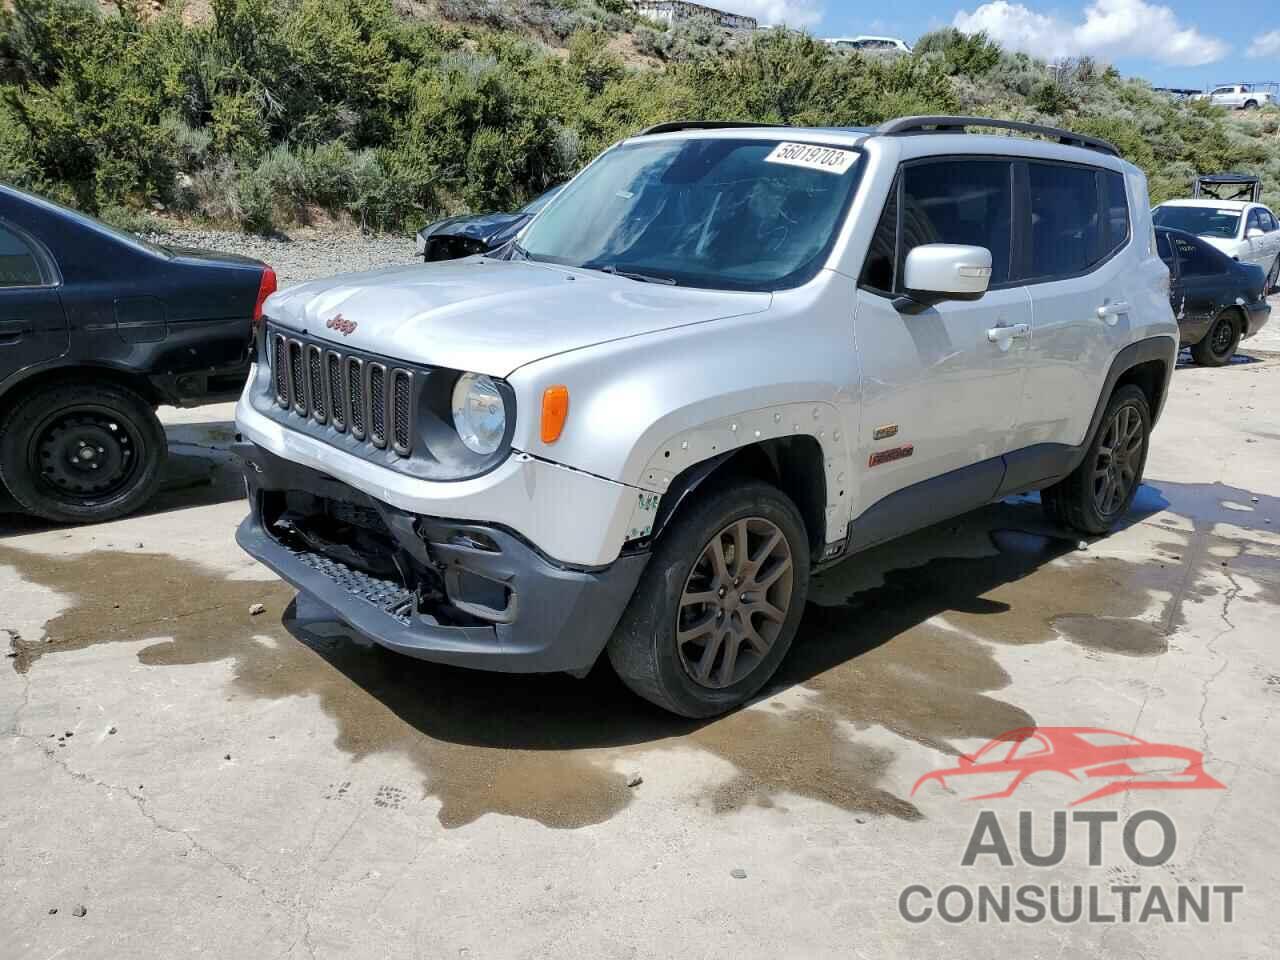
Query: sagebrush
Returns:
{"type": "Point", "coordinates": [272, 111]}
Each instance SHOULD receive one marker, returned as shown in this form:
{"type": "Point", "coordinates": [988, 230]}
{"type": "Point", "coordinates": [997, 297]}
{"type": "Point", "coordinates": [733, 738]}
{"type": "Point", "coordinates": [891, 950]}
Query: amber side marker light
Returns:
{"type": "Point", "coordinates": [555, 409]}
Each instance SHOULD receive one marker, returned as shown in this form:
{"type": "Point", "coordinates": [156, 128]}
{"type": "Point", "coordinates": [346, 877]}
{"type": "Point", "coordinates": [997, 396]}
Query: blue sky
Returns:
{"type": "Point", "coordinates": [1178, 43]}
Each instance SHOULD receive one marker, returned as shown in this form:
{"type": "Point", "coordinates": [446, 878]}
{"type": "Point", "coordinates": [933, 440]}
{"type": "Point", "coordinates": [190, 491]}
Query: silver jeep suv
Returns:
{"type": "Point", "coordinates": [725, 356]}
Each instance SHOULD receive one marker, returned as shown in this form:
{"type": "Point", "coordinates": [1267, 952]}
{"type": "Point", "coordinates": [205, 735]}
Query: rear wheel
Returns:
{"type": "Point", "coordinates": [719, 603]}
{"type": "Point", "coordinates": [1100, 491]}
{"type": "Point", "coordinates": [1219, 344]}
{"type": "Point", "coordinates": [1251, 104]}
{"type": "Point", "coordinates": [78, 453]}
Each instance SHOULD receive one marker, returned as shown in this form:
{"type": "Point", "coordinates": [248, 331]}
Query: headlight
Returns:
{"type": "Point", "coordinates": [479, 414]}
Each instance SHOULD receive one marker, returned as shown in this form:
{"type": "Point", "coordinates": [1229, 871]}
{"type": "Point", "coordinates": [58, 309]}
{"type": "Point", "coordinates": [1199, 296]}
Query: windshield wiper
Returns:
{"type": "Point", "coordinates": [632, 275]}
{"type": "Point", "coordinates": [518, 252]}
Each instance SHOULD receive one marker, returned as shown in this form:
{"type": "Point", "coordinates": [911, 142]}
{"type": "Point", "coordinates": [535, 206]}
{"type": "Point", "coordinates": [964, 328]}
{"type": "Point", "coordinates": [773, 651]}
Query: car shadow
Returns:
{"type": "Point", "coordinates": [946, 568]}
{"type": "Point", "coordinates": [1186, 362]}
{"type": "Point", "coordinates": [200, 470]}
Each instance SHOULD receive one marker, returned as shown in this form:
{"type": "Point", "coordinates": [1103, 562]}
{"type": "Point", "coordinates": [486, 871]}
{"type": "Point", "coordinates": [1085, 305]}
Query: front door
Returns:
{"type": "Point", "coordinates": [940, 386]}
{"type": "Point", "coordinates": [33, 327]}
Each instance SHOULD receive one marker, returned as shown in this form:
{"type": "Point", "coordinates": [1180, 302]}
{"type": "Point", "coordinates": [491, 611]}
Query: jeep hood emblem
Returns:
{"type": "Point", "coordinates": [341, 324]}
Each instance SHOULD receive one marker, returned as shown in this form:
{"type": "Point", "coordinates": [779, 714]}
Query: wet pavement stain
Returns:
{"type": "Point", "coordinates": [900, 637]}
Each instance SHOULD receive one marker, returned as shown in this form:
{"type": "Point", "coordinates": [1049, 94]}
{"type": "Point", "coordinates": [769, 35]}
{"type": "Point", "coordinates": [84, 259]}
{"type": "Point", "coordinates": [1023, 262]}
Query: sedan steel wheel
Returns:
{"type": "Point", "coordinates": [734, 603]}
{"type": "Point", "coordinates": [1222, 335]}
{"type": "Point", "coordinates": [1119, 456]}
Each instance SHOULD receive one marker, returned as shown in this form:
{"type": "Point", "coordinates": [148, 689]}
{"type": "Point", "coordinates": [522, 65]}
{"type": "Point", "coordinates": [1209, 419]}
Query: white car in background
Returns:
{"type": "Point", "coordinates": [1237, 96]}
{"type": "Point", "coordinates": [869, 44]}
{"type": "Point", "coordinates": [1248, 232]}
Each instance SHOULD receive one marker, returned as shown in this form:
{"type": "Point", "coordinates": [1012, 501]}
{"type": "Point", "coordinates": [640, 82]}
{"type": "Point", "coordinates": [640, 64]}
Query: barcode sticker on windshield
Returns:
{"type": "Point", "coordinates": [826, 159]}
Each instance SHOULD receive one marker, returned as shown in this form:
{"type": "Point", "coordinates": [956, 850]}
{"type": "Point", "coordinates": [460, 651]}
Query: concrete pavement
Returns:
{"type": "Point", "coordinates": [209, 783]}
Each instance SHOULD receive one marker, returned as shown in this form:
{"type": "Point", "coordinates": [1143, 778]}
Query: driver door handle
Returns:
{"type": "Point", "coordinates": [1008, 331]}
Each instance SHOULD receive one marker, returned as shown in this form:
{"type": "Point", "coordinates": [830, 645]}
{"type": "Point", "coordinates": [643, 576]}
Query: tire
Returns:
{"type": "Point", "coordinates": [42, 437]}
{"type": "Point", "coordinates": [1077, 501]}
{"type": "Point", "coordinates": [1218, 346]}
{"type": "Point", "coordinates": [644, 649]}
{"type": "Point", "coordinates": [1273, 275]}
{"type": "Point", "coordinates": [1251, 104]}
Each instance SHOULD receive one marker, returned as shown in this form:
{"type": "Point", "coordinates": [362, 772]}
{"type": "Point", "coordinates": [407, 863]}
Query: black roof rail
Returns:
{"type": "Point", "coordinates": [906, 126]}
{"type": "Point", "coordinates": [673, 126]}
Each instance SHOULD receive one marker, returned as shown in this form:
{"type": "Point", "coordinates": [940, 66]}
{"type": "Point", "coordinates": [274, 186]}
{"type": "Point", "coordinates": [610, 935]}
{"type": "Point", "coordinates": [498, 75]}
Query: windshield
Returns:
{"type": "Point", "coordinates": [540, 201]}
{"type": "Point", "coordinates": [1204, 221]}
{"type": "Point", "coordinates": [717, 213]}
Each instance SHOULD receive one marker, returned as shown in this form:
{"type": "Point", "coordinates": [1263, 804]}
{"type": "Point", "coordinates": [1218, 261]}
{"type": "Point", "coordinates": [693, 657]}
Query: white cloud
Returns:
{"type": "Point", "coordinates": [1109, 29]}
{"type": "Point", "coordinates": [1267, 45]}
{"type": "Point", "coordinates": [792, 13]}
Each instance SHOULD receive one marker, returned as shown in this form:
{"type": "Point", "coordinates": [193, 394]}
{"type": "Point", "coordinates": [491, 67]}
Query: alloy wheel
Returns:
{"type": "Point", "coordinates": [735, 601]}
{"type": "Point", "coordinates": [1119, 458]}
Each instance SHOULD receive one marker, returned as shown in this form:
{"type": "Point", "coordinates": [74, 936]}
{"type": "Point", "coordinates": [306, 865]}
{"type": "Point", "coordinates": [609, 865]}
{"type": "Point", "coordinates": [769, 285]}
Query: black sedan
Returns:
{"type": "Point", "coordinates": [470, 234]}
{"type": "Point", "coordinates": [97, 328]}
{"type": "Point", "coordinates": [1218, 301]}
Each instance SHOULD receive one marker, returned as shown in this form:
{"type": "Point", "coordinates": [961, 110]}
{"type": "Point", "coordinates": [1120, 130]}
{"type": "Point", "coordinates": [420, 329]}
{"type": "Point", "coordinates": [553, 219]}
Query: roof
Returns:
{"type": "Point", "coordinates": [1210, 202]}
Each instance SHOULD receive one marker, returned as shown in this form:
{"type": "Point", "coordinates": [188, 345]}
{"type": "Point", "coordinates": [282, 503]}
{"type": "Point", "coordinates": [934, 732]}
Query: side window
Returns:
{"type": "Point", "coordinates": [1065, 227]}
{"type": "Point", "coordinates": [878, 271]}
{"type": "Point", "coordinates": [1194, 260]}
{"type": "Point", "coordinates": [1115, 225]}
{"type": "Point", "coordinates": [18, 264]}
{"type": "Point", "coordinates": [1255, 221]}
{"type": "Point", "coordinates": [1268, 221]}
{"type": "Point", "coordinates": [959, 201]}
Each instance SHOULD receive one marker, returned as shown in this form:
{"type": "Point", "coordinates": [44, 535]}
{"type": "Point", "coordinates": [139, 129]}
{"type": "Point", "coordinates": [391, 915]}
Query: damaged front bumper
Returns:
{"type": "Point", "coordinates": [468, 594]}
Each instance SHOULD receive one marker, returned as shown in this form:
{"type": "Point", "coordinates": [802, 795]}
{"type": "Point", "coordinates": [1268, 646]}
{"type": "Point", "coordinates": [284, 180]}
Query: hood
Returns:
{"type": "Point", "coordinates": [480, 226]}
{"type": "Point", "coordinates": [492, 316]}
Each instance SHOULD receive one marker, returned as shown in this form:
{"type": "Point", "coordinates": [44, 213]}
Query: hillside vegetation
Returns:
{"type": "Point", "coordinates": [265, 113]}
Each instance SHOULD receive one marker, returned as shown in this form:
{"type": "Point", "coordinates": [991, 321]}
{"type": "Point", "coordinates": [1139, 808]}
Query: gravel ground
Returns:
{"type": "Point", "coordinates": [305, 254]}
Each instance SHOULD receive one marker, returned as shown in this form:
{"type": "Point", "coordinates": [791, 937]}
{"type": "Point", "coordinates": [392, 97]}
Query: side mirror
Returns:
{"type": "Point", "coordinates": [1253, 233]}
{"type": "Point", "coordinates": [936, 272]}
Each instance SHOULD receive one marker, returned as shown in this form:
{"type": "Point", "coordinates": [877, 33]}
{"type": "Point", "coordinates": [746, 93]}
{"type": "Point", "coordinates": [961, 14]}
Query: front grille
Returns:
{"type": "Point", "coordinates": [401, 406]}
{"type": "Point", "coordinates": [378, 404]}
{"type": "Point", "coordinates": [315, 372]}
{"type": "Point", "coordinates": [337, 411]}
{"type": "Point", "coordinates": [367, 399]}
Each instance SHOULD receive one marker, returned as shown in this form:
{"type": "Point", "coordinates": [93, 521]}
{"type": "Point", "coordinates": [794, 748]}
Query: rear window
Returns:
{"type": "Point", "coordinates": [18, 264]}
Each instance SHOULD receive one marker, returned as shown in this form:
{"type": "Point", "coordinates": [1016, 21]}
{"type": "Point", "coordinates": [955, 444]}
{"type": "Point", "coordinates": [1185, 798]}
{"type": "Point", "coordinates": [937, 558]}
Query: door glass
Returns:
{"type": "Point", "coordinates": [878, 271]}
{"type": "Point", "coordinates": [1268, 221]}
{"type": "Point", "coordinates": [18, 265]}
{"type": "Point", "coordinates": [1163, 249]}
{"type": "Point", "coordinates": [1116, 224]}
{"type": "Point", "coordinates": [959, 201]}
{"type": "Point", "coordinates": [1195, 260]}
{"type": "Point", "coordinates": [1065, 234]}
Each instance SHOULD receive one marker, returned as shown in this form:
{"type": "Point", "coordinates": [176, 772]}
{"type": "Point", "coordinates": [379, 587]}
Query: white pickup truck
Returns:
{"type": "Point", "coordinates": [1237, 96]}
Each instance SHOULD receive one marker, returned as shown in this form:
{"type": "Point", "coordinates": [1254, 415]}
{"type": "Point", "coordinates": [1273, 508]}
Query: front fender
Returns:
{"type": "Point", "coordinates": [643, 409]}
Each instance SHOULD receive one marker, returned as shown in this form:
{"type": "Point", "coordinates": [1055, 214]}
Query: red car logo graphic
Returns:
{"type": "Point", "coordinates": [1083, 754]}
{"type": "Point", "coordinates": [341, 324]}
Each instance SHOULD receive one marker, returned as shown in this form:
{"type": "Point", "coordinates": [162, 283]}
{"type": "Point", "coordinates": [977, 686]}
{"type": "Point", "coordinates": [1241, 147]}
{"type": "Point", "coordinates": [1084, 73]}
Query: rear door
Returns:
{"type": "Point", "coordinates": [941, 385]}
{"type": "Point", "coordinates": [1077, 224]}
{"type": "Point", "coordinates": [33, 327]}
{"type": "Point", "coordinates": [1202, 273]}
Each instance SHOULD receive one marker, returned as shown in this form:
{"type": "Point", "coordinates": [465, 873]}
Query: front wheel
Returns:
{"type": "Point", "coordinates": [1094, 497]}
{"type": "Point", "coordinates": [719, 603]}
{"type": "Point", "coordinates": [81, 453]}
{"type": "Point", "coordinates": [1273, 276]}
{"type": "Point", "coordinates": [1219, 344]}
